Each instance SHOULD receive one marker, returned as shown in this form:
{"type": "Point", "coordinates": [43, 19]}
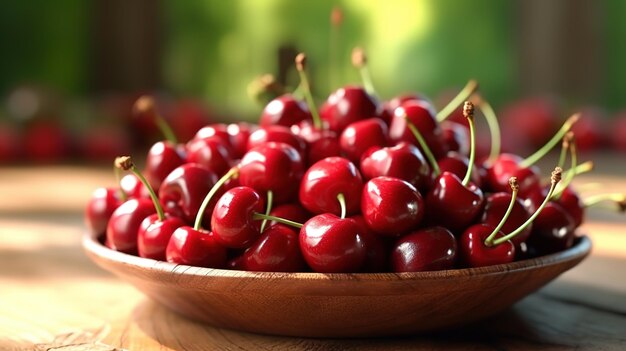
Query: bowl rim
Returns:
{"type": "Point", "coordinates": [90, 243]}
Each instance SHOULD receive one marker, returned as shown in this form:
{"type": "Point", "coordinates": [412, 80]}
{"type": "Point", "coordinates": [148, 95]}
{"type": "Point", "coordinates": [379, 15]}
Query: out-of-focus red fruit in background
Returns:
{"type": "Point", "coordinates": [589, 129]}
{"type": "Point", "coordinates": [618, 132]}
{"type": "Point", "coordinates": [528, 124]}
{"type": "Point", "coordinates": [9, 143]}
{"type": "Point", "coordinates": [187, 117]}
{"type": "Point", "coordinates": [103, 144]}
{"type": "Point", "coordinates": [45, 141]}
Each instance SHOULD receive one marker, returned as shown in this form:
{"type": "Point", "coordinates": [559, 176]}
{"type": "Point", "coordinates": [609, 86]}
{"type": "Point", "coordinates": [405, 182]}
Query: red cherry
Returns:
{"type": "Point", "coordinates": [377, 247]}
{"type": "Point", "coordinates": [403, 161]}
{"type": "Point", "coordinates": [214, 131]}
{"type": "Point", "coordinates": [292, 211]}
{"type": "Point", "coordinates": [9, 143]}
{"type": "Point", "coordinates": [279, 134]}
{"type": "Point", "coordinates": [451, 204]}
{"type": "Point", "coordinates": [506, 166]}
{"type": "Point", "coordinates": [455, 137]}
{"type": "Point", "coordinates": [496, 205]}
{"type": "Point", "coordinates": [163, 157]}
{"type": "Point", "coordinates": [210, 153]}
{"type": "Point", "coordinates": [456, 163]}
{"type": "Point", "coordinates": [325, 180]}
{"type": "Point", "coordinates": [553, 230]}
{"type": "Point", "coordinates": [195, 248]}
{"type": "Point", "coordinates": [285, 111]}
{"type": "Point", "coordinates": [321, 143]}
{"type": "Point", "coordinates": [348, 105]}
{"type": "Point", "coordinates": [187, 117]}
{"type": "Point", "coordinates": [45, 142]}
{"type": "Point", "coordinates": [183, 190]}
{"type": "Point", "coordinates": [277, 250]}
{"type": "Point", "coordinates": [618, 130]}
{"type": "Point", "coordinates": [360, 136]}
{"type": "Point", "coordinates": [573, 205]}
{"type": "Point", "coordinates": [121, 233]}
{"type": "Point", "coordinates": [428, 249]}
{"type": "Point", "coordinates": [275, 167]}
{"type": "Point", "coordinates": [330, 244]}
{"type": "Point", "coordinates": [391, 206]}
{"type": "Point", "coordinates": [239, 134]}
{"type": "Point", "coordinates": [154, 235]}
{"type": "Point", "coordinates": [133, 187]}
{"type": "Point", "coordinates": [530, 122]}
{"type": "Point", "coordinates": [589, 129]}
{"type": "Point", "coordinates": [100, 207]}
{"type": "Point", "coordinates": [232, 221]}
{"type": "Point", "coordinates": [422, 115]}
{"type": "Point", "coordinates": [475, 253]}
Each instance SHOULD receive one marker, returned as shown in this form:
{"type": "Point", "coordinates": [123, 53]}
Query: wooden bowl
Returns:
{"type": "Point", "coordinates": [336, 305]}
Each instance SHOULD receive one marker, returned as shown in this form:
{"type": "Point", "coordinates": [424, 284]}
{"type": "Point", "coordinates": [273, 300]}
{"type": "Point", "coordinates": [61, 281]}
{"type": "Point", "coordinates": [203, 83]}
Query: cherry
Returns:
{"type": "Point", "coordinates": [348, 105]}
{"type": "Point", "coordinates": [456, 163]}
{"type": "Point", "coordinates": [327, 180]}
{"type": "Point", "coordinates": [391, 206]}
{"type": "Point", "coordinates": [145, 109]}
{"type": "Point", "coordinates": [122, 228]}
{"type": "Point", "coordinates": [45, 141]}
{"type": "Point", "coordinates": [532, 121]}
{"type": "Point", "coordinates": [291, 211]}
{"type": "Point", "coordinates": [195, 248]}
{"type": "Point", "coordinates": [474, 253]}
{"type": "Point", "coordinates": [183, 190]}
{"type": "Point", "coordinates": [361, 135]}
{"type": "Point", "coordinates": [232, 221]}
{"type": "Point", "coordinates": [553, 230]}
{"type": "Point", "coordinates": [163, 157]}
{"type": "Point", "coordinates": [132, 187]}
{"type": "Point", "coordinates": [617, 132]}
{"type": "Point", "coordinates": [429, 249]}
{"type": "Point", "coordinates": [276, 250]}
{"type": "Point", "coordinates": [284, 110]}
{"type": "Point", "coordinates": [321, 143]}
{"type": "Point", "coordinates": [279, 134]}
{"type": "Point", "coordinates": [455, 137]}
{"type": "Point", "coordinates": [331, 244]}
{"type": "Point", "coordinates": [239, 134]}
{"type": "Point", "coordinates": [275, 167]}
{"type": "Point", "coordinates": [100, 207]}
{"type": "Point", "coordinates": [377, 247]}
{"type": "Point", "coordinates": [216, 131]}
{"type": "Point", "coordinates": [210, 153]}
{"type": "Point", "coordinates": [496, 205]}
{"type": "Point", "coordinates": [403, 161]}
{"type": "Point", "coordinates": [422, 116]}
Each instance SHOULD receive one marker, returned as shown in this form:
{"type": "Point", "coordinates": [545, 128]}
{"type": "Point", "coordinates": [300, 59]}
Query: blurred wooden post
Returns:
{"type": "Point", "coordinates": [126, 45]}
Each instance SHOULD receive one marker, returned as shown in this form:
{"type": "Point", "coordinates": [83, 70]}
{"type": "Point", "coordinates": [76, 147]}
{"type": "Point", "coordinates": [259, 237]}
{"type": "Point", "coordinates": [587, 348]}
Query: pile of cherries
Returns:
{"type": "Point", "coordinates": [360, 186]}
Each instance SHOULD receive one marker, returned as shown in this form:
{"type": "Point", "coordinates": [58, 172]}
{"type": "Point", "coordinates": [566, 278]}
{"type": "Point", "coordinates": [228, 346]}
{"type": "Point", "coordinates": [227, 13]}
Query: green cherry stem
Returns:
{"type": "Point", "coordinates": [514, 190]}
{"type": "Point", "coordinates": [126, 163]}
{"type": "Point", "coordinates": [268, 208]}
{"type": "Point", "coordinates": [118, 179]}
{"type": "Point", "coordinates": [492, 123]}
{"type": "Point", "coordinates": [532, 159]}
{"type": "Point", "coordinates": [232, 173]}
{"type": "Point", "coordinates": [468, 112]}
{"type": "Point", "coordinates": [619, 199]}
{"type": "Point", "coordinates": [259, 216]}
{"type": "Point", "coordinates": [359, 61]}
{"type": "Point", "coordinates": [306, 87]}
{"type": "Point", "coordinates": [463, 95]}
{"type": "Point", "coordinates": [554, 180]}
{"type": "Point", "coordinates": [342, 202]}
{"type": "Point", "coordinates": [427, 152]}
{"type": "Point", "coordinates": [147, 105]}
{"type": "Point", "coordinates": [567, 139]}
{"type": "Point", "coordinates": [569, 176]}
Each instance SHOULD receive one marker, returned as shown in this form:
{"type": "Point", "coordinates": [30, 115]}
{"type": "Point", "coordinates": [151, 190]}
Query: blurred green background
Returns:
{"type": "Point", "coordinates": [78, 51]}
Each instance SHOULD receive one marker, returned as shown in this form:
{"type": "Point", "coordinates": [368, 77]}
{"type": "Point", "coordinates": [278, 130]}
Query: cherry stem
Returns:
{"type": "Point", "coordinates": [619, 199]}
{"type": "Point", "coordinates": [555, 179]}
{"type": "Point", "coordinates": [532, 159]}
{"type": "Point", "coordinates": [306, 87]}
{"type": "Point", "coordinates": [342, 202]}
{"type": "Point", "coordinates": [569, 176]}
{"type": "Point", "coordinates": [567, 139]}
{"type": "Point", "coordinates": [359, 61]}
{"type": "Point", "coordinates": [118, 179]}
{"type": "Point", "coordinates": [494, 127]}
{"type": "Point", "coordinates": [468, 112]}
{"type": "Point", "coordinates": [427, 152]}
{"type": "Point", "coordinates": [463, 95]}
{"type": "Point", "coordinates": [126, 163]}
{"type": "Point", "coordinates": [336, 17]}
{"type": "Point", "coordinates": [165, 128]}
{"type": "Point", "coordinates": [259, 216]}
{"type": "Point", "coordinates": [232, 173]}
{"type": "Point", "coordinates": [146, 105]}
{"type": "Point", "coordinates": [265, 89]}
{"type": "Point", "coordinates": [514, 190]}
{"type": "Point", "coordinates": [268, 209]}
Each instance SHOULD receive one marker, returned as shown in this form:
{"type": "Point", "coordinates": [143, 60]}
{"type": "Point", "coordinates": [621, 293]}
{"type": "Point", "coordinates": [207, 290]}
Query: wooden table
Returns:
{"type": "Point", "coordinates": [53, 298]}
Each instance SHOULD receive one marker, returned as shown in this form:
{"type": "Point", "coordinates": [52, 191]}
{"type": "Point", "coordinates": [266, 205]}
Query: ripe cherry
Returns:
{"type": "Point", "coordinates": [377, 247]}
{"type": "Point", "coordinates": [100, 207]}
{"type": "Point", "coordinates": [422, 116]}
{"type": "Point", "coordinates": [232, 222]}
{"type": "Point", "coordinates": [403, 161]}
{"type": "Point", "coordinates": [193, 247]}
{"type": "Point", "coordinates": [429, 249]}
{"type": "Point", "coordinates": [279, 134]}
{"type": "Point", "coordinates": [276, 250]}
{"type": "Point", "coordinates": [359, 136]}
{"type": "Point", "coordinates": [284, 110]}
{"type": "Point", "coordinates": [122, 228]}
{"type": "Point", "coordinates": [210, 153]}
{"type": "Point", "coordinates": [163, 157]}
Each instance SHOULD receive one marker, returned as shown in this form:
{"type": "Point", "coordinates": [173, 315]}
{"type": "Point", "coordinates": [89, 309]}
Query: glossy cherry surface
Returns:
{"type": "Point", "coordinates": [163, 157]}
{"type": "Point", "coordinates": [133, 187]}
{"type": "Point", "coordinates": [122, 228]}
{"type": "Point", "coordinates": [391, 206]}
{"type": "Point", "coordinates": [321, 143]}
{"type": "Point", "coordinates": [377, 247]}
{"type": "Point", "coordinates": [359, 136]}
{"type": "Point", "coordinates": [327, 178]}
{"type": "Point", "coordinates": [573, 205]}
{"type": "Point", "coordinates": [508, 165]}
{"type": "Point", "coordinates": [428, 249]}
{"type": "Point", "coordinates": [291, 211]}
{"type": "Point", "coordinates": [100, 207]}
{"type": "Point", "coordinates": [456, 163]}
{"type": "Point", "coordinates": [210, 153]}
{"type": "Point", "coordinates": [284, 110]}
{"type": "Point", "coordinates": [239, 134]}
{"type": "Point", "coordinates": [279, 134]}
{"type": "Point", "coordinates": [553, 230]}
{"type": "Point", "coordinates": [474, 252]}
{"type": "Point", "coordinates": [276, 250]}
{"type": "Point", "coordinates": [348, 105]}
{"type": "Point", "coordinates": [404, 161]}
{"type": "Point", "coordinates": [422, 115]}
{"type": "Point", "coordinates": [495, 207]}
{"type": "Point", "coordinates": [330, 244]}
{"type": "Point", "coordinates": [453, 205]}
{"type": "Point", "coordinates": [195, 248]}
{"type": "Point", "coordinates": [154, 235]}
{"type": "Point", "coordinates": [232, 220]}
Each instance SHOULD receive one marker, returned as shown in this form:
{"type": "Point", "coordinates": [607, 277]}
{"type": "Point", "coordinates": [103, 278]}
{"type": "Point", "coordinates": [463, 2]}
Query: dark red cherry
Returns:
{"type": "Point", "coordinates": [573, 205]}
{"type": "Point", "coordinates": [217, 131]}
{"type": "Point", "coordinates": [195, 248]}
{"type": "Point", "coordinates": [321, 143]}
{"type": "Point", "coordinates": [100, 207]}
{"type": "Point", "coordinates": [553, 230]}
{"type": "Point", "coordinates": [330, 244]}
{"type": "Point", "coordinates": [292, 211]}
{"type": "Point", "coordinates": [276, 250]}
{"type": "Point", "coordinates": [428, 249]}
{"type": "Point", "coordinates": [362, 135]}
{"type": "Point", "coordinates": [456, 163]}
{"type": "Point", "coordinates": [508, 165]}
{"type": "Point", "coordinates": [232, 221]}
{"type": "Point", "coordinates": [285, 111]}
{"type": "Point", "coordinates": [133, 187]}
{"type": "Point", "coordinates": [280, 134]}
{"type": "Point", "coordinates": [184, 189]}
{"type": "Point", "coordinates": [391, 206]}
{"type": "Point", "coordinates": [397, 101]}
{"type": "Point", "coordinates": [376, 246]}
{"type": "Point", "coordinates": [121, 233]}
{"type": "Point", "coordinates": [403, 161]}
{"type": "Point", "coordinates": [275, 167]}
{"type": "Point", "coordinates": [496, 205]}
{"type": "Point", "coordinates": [451, 204]}
{"type": "Point", "coordinates": [210, 153]}
{"type": "Point", "coordinates": [154, 235]}
{"type": "Point", "coordinates": [422, 115]}
{"type": "Point", "coordinates": [239, 134]}
{"type": "Point", "coordinates": [348, 105]}
{"type": "Point", "coordinates": [456, 136]}
{"type": "Point", "coordinates": [163, 157]}
{"type": "Point", "coordinates": [474, 252]}
{"type": "Point", "coordinates": [328, 178]}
